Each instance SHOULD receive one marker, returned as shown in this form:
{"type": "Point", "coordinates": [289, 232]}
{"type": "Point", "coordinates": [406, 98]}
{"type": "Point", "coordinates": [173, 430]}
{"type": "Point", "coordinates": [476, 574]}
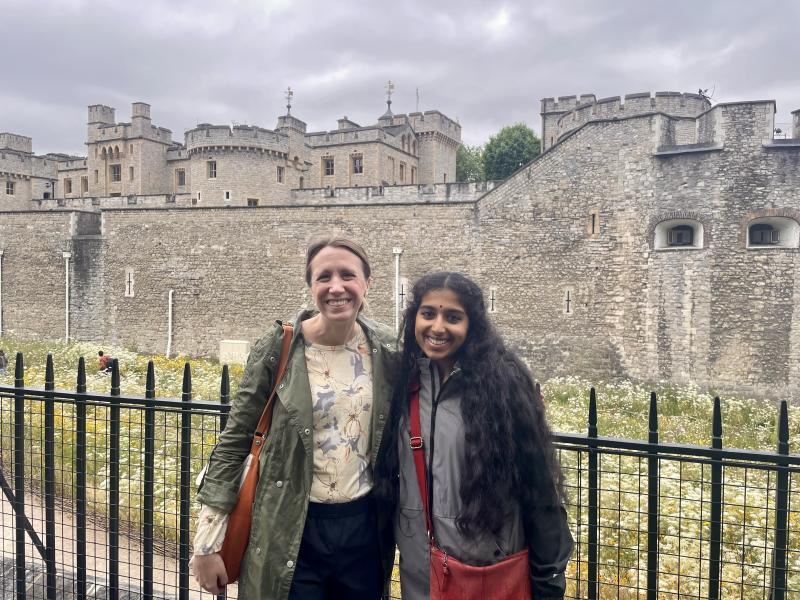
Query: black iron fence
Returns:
{"type": "Point", "coordinates": [98, 496]}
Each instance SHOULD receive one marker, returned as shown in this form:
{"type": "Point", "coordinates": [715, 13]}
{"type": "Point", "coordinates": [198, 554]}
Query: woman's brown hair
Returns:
{"type": "Point", "coordinates": [336, 241]}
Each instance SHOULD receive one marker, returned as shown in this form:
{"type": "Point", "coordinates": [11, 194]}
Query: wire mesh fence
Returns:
{"type": "Point", "coordinates": [98, 494]}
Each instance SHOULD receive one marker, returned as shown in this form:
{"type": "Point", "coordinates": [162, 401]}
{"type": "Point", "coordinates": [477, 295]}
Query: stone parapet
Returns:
{"type": "Point", "coordinates": [239, 136]}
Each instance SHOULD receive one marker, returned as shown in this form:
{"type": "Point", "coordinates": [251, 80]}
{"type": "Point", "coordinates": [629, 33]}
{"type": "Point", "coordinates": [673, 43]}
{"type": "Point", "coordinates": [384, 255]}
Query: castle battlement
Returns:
{"type": "Point", "coordinates": [431, 120]}
{"type": "Point", "coordinates": [570, 112]}
{"type": "Point", "coordinates": [13, 141]}
{"type": "Point", "coordinates": [247, 137]}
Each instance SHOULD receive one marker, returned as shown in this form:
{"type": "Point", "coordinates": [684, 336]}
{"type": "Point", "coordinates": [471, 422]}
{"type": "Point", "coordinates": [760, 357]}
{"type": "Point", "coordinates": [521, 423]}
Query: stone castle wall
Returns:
{"type": "Point", "coordinates": [565, 250]}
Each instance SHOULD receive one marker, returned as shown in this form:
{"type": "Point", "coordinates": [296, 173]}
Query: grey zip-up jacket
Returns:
{"type": "Point", "coordinates": [544, 532]}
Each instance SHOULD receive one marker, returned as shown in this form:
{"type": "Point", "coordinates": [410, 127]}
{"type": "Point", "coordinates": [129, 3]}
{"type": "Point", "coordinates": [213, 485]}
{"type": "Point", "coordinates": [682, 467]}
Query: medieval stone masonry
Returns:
{"type": "Point", "coordinates": [657, 237]}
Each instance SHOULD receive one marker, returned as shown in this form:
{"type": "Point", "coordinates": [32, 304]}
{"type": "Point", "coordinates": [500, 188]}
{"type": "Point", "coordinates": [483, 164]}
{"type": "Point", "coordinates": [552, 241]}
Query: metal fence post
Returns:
{"type": "Point", "coordinates": [19, 474]}
{"type": "Point", "coordinates": [149, 477]}
{"type": "Point", "coordinates": [186, 450]}
{"type": "Point", "coordinates": [716, 505]}
{"type": "Point", "coordinates": [50, 479]}
{"type": "Point", "coordinates": [779, 564]}
{"type": "Point", "coordinates": [592, 588]}
{"type": "Point", "coordinates": [80, 484]}
{"type": "Point", "coordinates": [113, 486]}
{"type": "Point", "coordinates": [652, 503]}
{"type": "Point", "coordinates": [224, 396]}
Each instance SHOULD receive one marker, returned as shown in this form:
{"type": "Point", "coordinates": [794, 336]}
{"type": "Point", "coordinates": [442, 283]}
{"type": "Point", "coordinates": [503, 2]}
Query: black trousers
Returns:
{"type": "Point", "coordinates": [339, 556]}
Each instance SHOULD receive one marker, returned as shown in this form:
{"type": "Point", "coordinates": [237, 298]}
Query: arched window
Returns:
{"type": "Point", "coordinates": [773, 232]}
{"type": "Point", "coordinates": [116, 151]}
{"type": "Point", "coordinates": [678, 234]}
{"type": "Point", "coordinates": [105, 155]}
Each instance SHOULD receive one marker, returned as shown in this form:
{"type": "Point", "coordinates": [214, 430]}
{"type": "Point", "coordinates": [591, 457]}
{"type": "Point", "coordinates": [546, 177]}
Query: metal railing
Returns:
{"type": "Point", "coordinates": [98, 491]}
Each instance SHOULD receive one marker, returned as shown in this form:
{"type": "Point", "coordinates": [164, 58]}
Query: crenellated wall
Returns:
{"type": "Point", "coordinates": [570, 112]}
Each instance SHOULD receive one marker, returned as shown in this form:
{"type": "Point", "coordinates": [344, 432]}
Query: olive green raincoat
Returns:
{"type": "Point", "coordinates": [286, 462]}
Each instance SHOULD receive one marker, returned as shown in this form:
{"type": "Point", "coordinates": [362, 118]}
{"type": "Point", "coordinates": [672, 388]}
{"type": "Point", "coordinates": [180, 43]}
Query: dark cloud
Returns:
{"type": "Point", "coordinates": [487, 64]}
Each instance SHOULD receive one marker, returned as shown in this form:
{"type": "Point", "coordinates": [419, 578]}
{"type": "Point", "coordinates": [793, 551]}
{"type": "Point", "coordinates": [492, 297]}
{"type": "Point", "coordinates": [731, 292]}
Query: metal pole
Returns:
{"type": "Point", "coordinates": [170, 297]}
{"type": "Point", "coordinates": [67, 256]}
{"type": "Point", "coordinates": [397, 253]}
{"type": "Point", "coordinates": [1, 291]}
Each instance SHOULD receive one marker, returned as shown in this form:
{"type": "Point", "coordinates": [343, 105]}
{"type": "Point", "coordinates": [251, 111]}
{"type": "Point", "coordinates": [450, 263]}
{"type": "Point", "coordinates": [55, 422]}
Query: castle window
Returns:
{"type": "Point", "coordinates": [280, 174]}
{"type": "Point", "coordinates": [129, 291]}
{"type": "Point", "coordinates": [10, 188]}
{"type": "Point", "coordinates": [84, 185]}
{"type": "Point", "coordinates": [327, 165]}
{"type": "Point", "coordinates": [773, 232]}
{"type": "Point", "coordinates": [130, 149]}
{"type": "Point", "coordinates": [180, 177]}
{"type": "Point", "coordinates": [402, 172]}
{"type": "Point", "coordinates": [413, 175]}
{"type": "Point", "coordinates": [227, 196]}
{"type": "Point", "coordinates": [681, 235]}
{"type": "Point", "coordinates": [415, 148]}
{"type": "Point", "coordinates": [391, 168]}
{"type": "Point", "coordinates": [67, 186]}
{"type": "Point", "coordinates": [358, 164]}
{"type": "Point", "coordinates": [252, 202]}
{"type": "Point", "coordinates": [96, 176]}
{"type": "Point", "coordinates": [116, 151]}
{"type": "Point", "coordinates": [678, 234]}
{"type": "Point", "coordinates": [593, 225]}
{"type": "Point", "coordinates": [130, 173]}
{"type": "Point", "coordinates": [211, 169]}
{"type": "Point", "coordinates": [302, 182]}
{"type": "Point", "coordinates": [116, 173]}
{"type": "Point", "coordinates": [444, 178]}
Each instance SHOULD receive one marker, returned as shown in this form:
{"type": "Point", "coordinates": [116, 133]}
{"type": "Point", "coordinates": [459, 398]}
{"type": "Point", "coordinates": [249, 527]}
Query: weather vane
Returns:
{"type": "Point", "coordinates": [389, 90]}
{"type": "Point", "coordinates": [289, 95]}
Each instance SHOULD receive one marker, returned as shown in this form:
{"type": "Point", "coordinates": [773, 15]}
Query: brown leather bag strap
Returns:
{"type": "Point", "coordinates": [264, 423]}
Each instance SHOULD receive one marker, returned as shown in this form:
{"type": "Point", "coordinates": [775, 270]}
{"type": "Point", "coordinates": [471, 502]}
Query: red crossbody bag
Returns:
{"type": "Point", "coordinates": [451, 579]}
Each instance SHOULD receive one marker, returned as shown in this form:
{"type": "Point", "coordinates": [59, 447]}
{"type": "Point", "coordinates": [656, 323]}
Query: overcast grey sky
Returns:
{"type": "Point", "coordinates": [486, 64]}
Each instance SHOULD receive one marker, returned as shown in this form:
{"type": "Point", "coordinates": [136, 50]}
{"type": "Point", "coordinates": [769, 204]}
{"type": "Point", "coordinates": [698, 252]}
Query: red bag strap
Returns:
{"type": "Point", "coordinates": [418, 451]}
{"type": "Point", "coordinates": [262, 429]}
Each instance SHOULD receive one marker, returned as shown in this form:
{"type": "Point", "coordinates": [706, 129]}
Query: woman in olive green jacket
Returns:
{"type": "Point", "coordinates": [315, 482]}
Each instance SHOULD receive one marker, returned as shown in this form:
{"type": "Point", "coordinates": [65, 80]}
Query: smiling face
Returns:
{"type": "Point", "coordinates": [441, 327]}
{"type": "Point", "coordinates": [338, 283]}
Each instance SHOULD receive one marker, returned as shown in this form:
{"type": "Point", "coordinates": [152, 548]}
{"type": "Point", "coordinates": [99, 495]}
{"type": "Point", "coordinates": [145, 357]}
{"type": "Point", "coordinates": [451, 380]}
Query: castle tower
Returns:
{"type": "Point", "coordinates": [553, 110]}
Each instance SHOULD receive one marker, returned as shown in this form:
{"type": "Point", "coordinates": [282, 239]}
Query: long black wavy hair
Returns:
{"type": "Point", "coordinates": [508, 444]}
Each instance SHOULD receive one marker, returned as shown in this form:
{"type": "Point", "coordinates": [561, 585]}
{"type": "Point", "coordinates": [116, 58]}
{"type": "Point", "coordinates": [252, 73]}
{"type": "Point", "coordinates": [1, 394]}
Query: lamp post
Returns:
{"type": "Point", "coordinates": [397, 253]}
{"type": "Point", "coordinates": [67, 256]}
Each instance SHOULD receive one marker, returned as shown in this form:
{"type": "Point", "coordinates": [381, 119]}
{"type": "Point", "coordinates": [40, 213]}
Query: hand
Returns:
{"type": "Point", "coordinates": [209, 572]}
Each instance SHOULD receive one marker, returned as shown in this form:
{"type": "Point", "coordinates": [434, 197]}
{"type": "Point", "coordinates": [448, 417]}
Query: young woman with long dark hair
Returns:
{"type": "Point", "coordinates": [494, 485]}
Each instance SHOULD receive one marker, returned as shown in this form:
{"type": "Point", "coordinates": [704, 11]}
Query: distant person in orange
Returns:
{"type": "Point", "coordinates": [103, 362]}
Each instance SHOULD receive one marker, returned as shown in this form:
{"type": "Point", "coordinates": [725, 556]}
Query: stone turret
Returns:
{"type": "Point", "coordinates": [140, 119]}
{"type": "Point", "coordinates": [100, 114]}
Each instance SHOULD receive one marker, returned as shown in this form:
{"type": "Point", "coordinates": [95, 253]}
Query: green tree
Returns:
{"type": "Point", "coordinates": [469, 163]}
{"type": "Point", "coordinates": [512, 147]}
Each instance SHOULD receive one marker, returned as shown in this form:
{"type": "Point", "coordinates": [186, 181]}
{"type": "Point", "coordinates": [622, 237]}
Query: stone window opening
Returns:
{"type": "Point", "coordinates": [328, 166]}
{"type": "Point", "coordinates": [227, 196]}
{"type": "Point", "coordinates": [402, 172]}
{"type": "Point", "coordinates": [413, 175]}
{"type": "Point", "coordinates": [593, 223]}
{"type": "Point", "coordinates": [358, 164]}
{"type": "Point", "coordinates": [130, 149]}
{"type": "Point", "coordinates": [67, 186]}
{"type": "Point", "coordinates": [116, 173]}
{"type": "Point", "coordinates": [773, 232]}
{"type": "Point", "coordinates": [180, 177]}
{"type": "Point", "coordinates": [252, 202]}
{"type": "Point", "coordinates": [569, 301]}
{"type": "Point", "coordinates": [211, 169]}
{"type": "Point", "coordinates": [302, 182]}
{"type": "Point", "coordinates": [84, 185]}
{"type": "Point", "coordinates": [129, 284]}
{"type": "Point", "coordinates": [130, 173]}
{"type": "Point", "coordinates": [678, 234]}
{"type": "Point", "coordinates": [116, 151]}
{"type": "Point", "coordinates": [280, 174]}
{"type": "Point", "coordinates": [96, 176]}
{"type": "Point", "coordinates": [9, 188]}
